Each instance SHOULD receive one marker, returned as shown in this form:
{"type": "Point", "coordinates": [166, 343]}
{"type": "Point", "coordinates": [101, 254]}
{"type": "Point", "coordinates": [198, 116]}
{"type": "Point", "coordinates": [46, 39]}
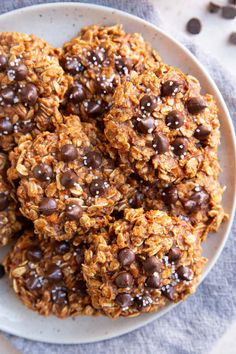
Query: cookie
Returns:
{"type": "Point", "coordinates": [67, 183]}
{"type": "Point", "coordinates": [141, 263]}
{"type": "Point", "coordinates": [97, 60]}
{"type": "Point", "coordinates": [32, 86]}
{"type": "Point", "coordinates": [46, 276]}
{"type": "Point", "coordinates": [161, 126]}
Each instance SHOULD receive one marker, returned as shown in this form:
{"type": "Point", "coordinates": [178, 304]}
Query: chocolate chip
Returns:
{"type": "Point", "coordinates": [72, 65]}
{"type": "Point", "coordinates": [96, 57]}
{"type": "Point", "coordinates": [4, 201]}
{"type": "Point", "coordinates": [126, 257]}
{"type": "Point", "coordinates": [145, 125]}
{"type": "Point", "coordinates": [81, 288]}
{"type": "Point", "coordinates": [202, 132]}
{"type": "Point", "coordinates": [180, 146]}
{"type": "Point", "coordinates": [79, 256]}
{"type": "Point", "coordinates": [68, 179]}
{"type": "Point", "coordinates": [213, 8]}
{"type": "Point", "coordinates": [93, 159]}
{"type": "Point", "coordinates": [170, 195]}
{"type": "Point", "coordinates": [47, 206]}
{"type": "Point", "coordinates": [124, 280]}
{"type": "Point", "coordinates": [200, 197]}
{"type": "Point", "coordinates": [153, 281]}
{"type": "Point", "coordinates": [6, 127]}
{"type": "Point", "coordinates": [141, 302]}
{"type": "Point", "coordinates": [170, 88]}
{"type": "Point", "coordinates": [59, 296]}
{"type": "Point", "coordinates": [136, 201]}
{"type": "Point", "coordinates": [232, 38]}
{"type": "Point", "coordinates": [62, 247]}
{"type": "Point", "coordinates": [34, 254]}
{"type": "Point", "coordinates": [28, 94]}
{"type": "Point", "coordinates": [124, 300]}
{"type": "Point", "coordinates": [185, 273]}
{"type": "Point", "coordinates": [195, 105]}
{"type": "Point", "coordinates": [174, 254]}
{"type": "Point", "coordinates": [73, 211]}
{"type": "Point", "coordinates": [54, 273]}
{"type": "Point", "coordinates": [33, 283]}
{"type": "Point", "coordinates": [174, 120]}
{"type": "Point", "coordinates": [43, 172]}
{"type": "Point", "coordinates": [160, 143]}
{"type": "Point", "coordinates": [69, 152]}
{"type": "Point", "coordinates": [97, 187]}
{"type": "Point", "coordinates": [20, 71]}
{"type": "Point", "coordinates": [169, 292]}
{"type": "Point", "coordinates": [3, 62]}
{"type": "Point", "coordinates": [2, 271]}
{"type": "Point", "coordinates": [148, 103]}
{"type": "Point", "coordinates": [152, 265]}
{"type": "Point", "coordinates": [191, 206]}
{"type": "Point", "coordinates": [103, 86]}
{"type": "Point", "coordinates": [194, 26]}
{"type": "Point", "coordinates": [77, 94]}
{"type": "Point", "coordinates": [8, 95]}
{"type": "Point", "coordinates": [95, 108]}
{"type": "Point", "coordinates": [123, 66]}
{"type": "Point", "coordinates": [229, 12]}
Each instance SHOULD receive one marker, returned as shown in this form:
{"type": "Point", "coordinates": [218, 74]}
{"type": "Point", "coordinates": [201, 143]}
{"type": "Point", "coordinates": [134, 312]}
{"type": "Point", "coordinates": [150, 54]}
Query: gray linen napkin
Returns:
{"type": "Point", "coordinates": [195, 325]}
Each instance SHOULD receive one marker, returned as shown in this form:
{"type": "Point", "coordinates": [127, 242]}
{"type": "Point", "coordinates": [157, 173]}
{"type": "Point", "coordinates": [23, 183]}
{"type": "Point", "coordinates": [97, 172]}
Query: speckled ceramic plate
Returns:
{"type": "Point", "coordinates": [58, 23]}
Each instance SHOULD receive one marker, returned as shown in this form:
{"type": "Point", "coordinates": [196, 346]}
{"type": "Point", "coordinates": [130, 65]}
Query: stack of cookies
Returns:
{"type": "Point", "coordinates": [109, 174]}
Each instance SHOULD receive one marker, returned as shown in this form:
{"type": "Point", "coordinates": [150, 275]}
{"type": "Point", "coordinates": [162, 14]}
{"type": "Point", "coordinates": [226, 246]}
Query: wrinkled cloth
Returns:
{"type": "Point", "coordinates": [194, 326]}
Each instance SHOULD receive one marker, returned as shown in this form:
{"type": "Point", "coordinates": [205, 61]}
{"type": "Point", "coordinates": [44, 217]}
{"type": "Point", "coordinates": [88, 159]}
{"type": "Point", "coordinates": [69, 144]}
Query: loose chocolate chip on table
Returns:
{"type": "Point", "coordinates": [8, 95]}
{"type": "Point", "coordinates": [54, 273]}
{"type": "Point", "coordinates": [213, 8]}
{"type": "Point", "coordinates": [96, 57]}
{"type": "Point", "coordinates": [72, 65]}
{"type": "Point", "coordinates": [69, 152]}
{"type": "Point", "coordinates": [93, 159]}
{"type": "Point", "coordinates": [3, 62]}
{"type": "Point", "coordinates": [20, 71]}
{"type": "Point", "coordinates": [47, 206]}
{"type": "Point", "coordinates": [232, 38]}
{"type": "Point", "coordinates": [77, 94]}
{"type": "Point", "coordinates": [97, 187]}
{"type": "Point", "coordinates": [59, 296]}
{"type": "Point", "coordinates": [194, 26]}
{"type": "Point", "coordinates": [73, 211]}
{"type": "Point", "coordinates": [33, 283]}
{"type": "Point", "coordinates": [43, 172]}
{"type": "Point", "coordinates": [170, 88]}
{"type": "Point", "coordinates": [170, 195]}
{"type": "Point", "coordinates": [153, 281]}
{"type": "Point", "coordinates": [68, 179]}
{"type": "Point", "coordinates": [160, 143]}
{"type": "Point", "coordinates": [185, 273]}
{"type": "Point", "coordinates": [202, 132]}
{"type": "Point", "coordinates": [62, 247]}
{"type": "Point", "coordinates": [148, 103]}
{"type": "Point", "coordinates": [152, 265]}
{"type": "Point", "coordinates": [123, 66]}
{"type": "Point", "coordinates": [174, 119]}
{"type": "Point", "coordinates": [4, 201]}
{"type": "Point", "coordinates": [124, 280]}
{"type": "Point", "coordinates": [136, 201]}
{"type": "Point", "coordinates": [229, 12]}
{"type": "Point", "coordinates": [6, 127]}
{"type": "Point", "coordinates": [2, 271]}
{"type": "Point", "coordinates": [145, 125]}
{"type": "Point", "coordinates": [95, 109]}
{"type": "Point", "coordinates": [124, 300]}
{"type": "Point", "coordinates": [174, 254]}
{"type": "Point", "coordinates": [169, 292]}
{"type": "Point", "coordinates": [34, 254]}
{"type": "Point", "coordinates": [180, 146]}
{"type": "Point", "coordinates": [126, 257]}
{"type": "Point", "coordinates": [195, 105]}
{"type": "Point", "coordinates": [28, 94]}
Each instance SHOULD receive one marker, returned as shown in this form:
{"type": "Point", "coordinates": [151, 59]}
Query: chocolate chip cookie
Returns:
{"type": "Point", "coordinates": [141, 263]}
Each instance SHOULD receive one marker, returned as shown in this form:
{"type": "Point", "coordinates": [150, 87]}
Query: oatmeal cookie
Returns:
{"type": "Point", "coordinates": [32, 85]}
{"type": "Point", "coordinates": [46, 275]}
{"type": "Point", "coordinates": [143, 261]}
{"type": "Point", "coordinates": [97, 59]}
{"type": "Point", "coordinates": [162, 127]}
{"type": "Point", "coordinates": [67, 183]}
{"type": "Point", "coordinates": [10, 223]}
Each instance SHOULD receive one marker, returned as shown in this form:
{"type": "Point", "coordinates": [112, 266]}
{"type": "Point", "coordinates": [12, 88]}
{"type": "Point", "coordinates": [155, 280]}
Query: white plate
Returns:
{"type": "Point", "coordinates": [58, 23]}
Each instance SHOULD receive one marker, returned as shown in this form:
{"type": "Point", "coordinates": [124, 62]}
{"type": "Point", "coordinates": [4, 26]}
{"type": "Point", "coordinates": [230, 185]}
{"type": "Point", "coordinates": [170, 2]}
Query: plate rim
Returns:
{"type": "Point", "coordinates": [228, 118]}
